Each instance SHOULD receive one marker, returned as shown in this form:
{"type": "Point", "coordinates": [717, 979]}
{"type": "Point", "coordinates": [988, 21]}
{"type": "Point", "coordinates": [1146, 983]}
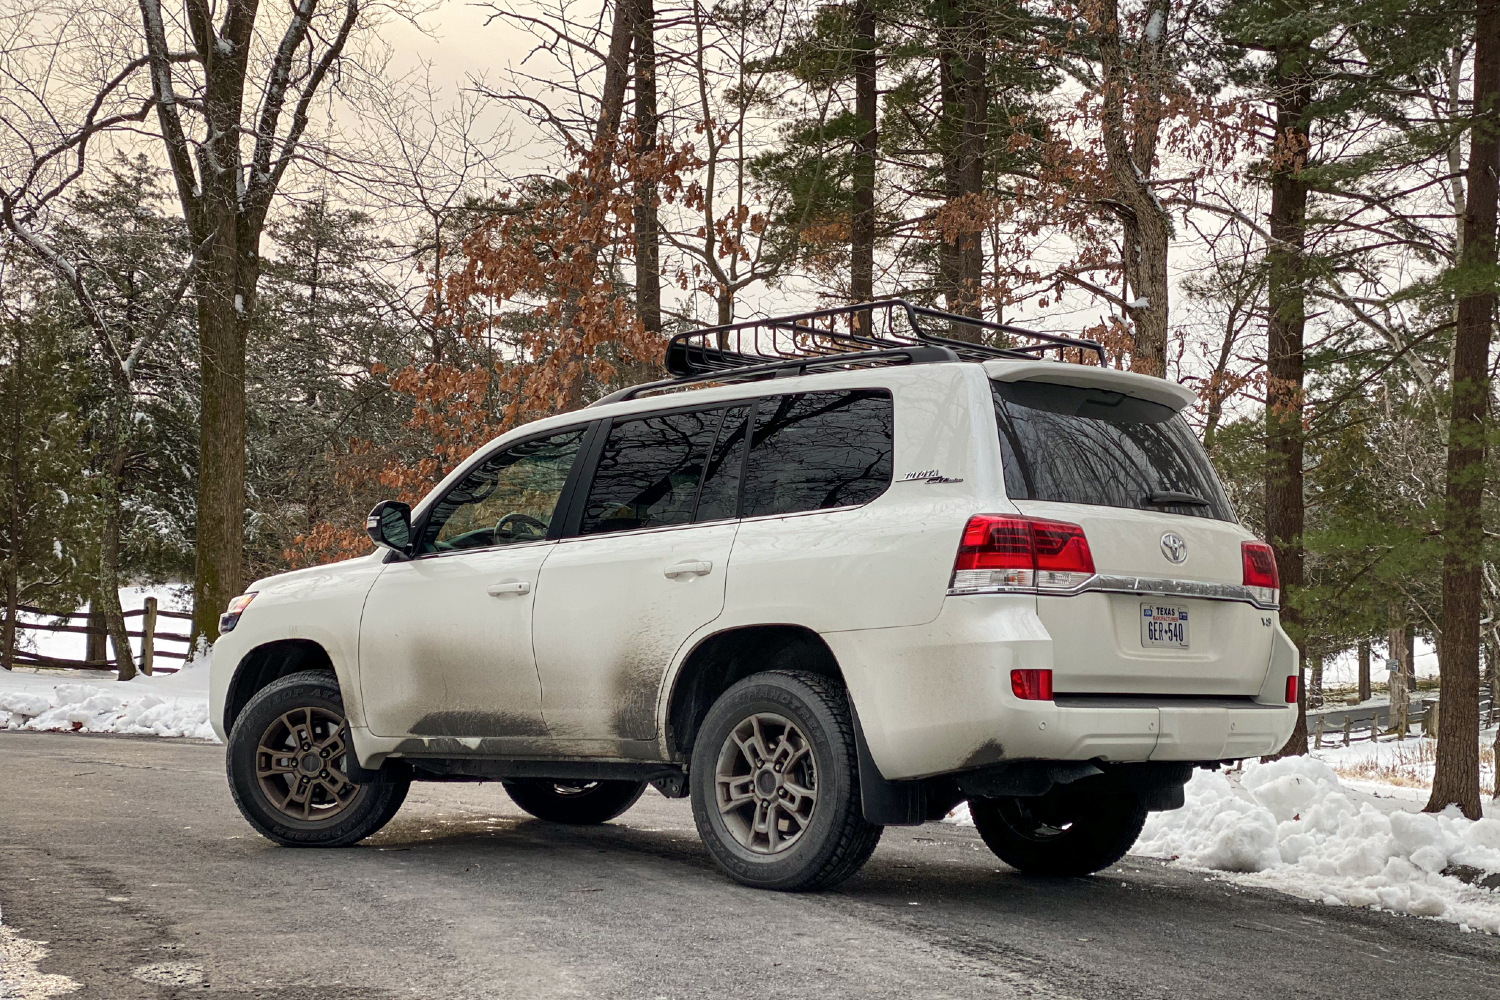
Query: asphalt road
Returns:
{"type": "Point", "coordinates": [128, 858]}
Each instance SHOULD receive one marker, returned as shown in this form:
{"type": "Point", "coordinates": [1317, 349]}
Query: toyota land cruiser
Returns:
{"type": "Point", "coordinates": [842, 571]}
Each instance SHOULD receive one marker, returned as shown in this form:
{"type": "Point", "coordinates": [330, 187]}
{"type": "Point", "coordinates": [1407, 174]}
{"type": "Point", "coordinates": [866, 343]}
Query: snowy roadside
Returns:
{"type": "Point", "coordinates": [92, 701]}
{"type": "Point", "coordinates": [1293, 826]}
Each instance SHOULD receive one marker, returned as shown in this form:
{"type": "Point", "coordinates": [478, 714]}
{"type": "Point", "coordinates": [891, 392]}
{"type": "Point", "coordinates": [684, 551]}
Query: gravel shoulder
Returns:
{"type": "Point", "coordinates": [127, 858]}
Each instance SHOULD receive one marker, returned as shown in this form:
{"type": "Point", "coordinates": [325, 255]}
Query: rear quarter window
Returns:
{"type": "Point", "coordinates": [1071, 444]}
{"type": "Point", "coordinates": [814, 450]}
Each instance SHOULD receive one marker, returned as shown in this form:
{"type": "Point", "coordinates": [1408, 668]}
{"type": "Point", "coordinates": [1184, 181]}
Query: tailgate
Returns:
{"type": "Point", "coordinates": [1151, 625]}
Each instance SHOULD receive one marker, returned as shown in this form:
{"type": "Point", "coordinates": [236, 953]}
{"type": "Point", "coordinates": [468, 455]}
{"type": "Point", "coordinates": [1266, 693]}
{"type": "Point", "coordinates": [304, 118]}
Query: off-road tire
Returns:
{"type": "Point", "coordinates": [368, 808]}
{"type": "Point", "coordinates": [580, 803]}
{"type": "Point", "coordinates": [1104, 823]}
{"type": "Point", "coordinates": [836, 840]}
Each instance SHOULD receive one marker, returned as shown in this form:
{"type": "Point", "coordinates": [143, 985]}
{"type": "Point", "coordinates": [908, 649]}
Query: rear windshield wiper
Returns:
{"type": "Point", "coordinates": [1175, 497]}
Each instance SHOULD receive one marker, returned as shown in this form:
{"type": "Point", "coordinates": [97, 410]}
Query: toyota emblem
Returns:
{"type": "Point", "coordinates": [1174, 548]}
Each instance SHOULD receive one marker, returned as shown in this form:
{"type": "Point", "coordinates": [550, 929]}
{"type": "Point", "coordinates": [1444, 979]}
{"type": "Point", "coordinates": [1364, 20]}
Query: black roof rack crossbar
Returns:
{"type": "Point", "coordinates": [890, 331]}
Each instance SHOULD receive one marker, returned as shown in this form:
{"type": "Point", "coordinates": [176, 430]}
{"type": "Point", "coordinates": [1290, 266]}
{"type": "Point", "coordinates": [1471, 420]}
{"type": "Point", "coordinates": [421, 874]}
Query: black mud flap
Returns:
{"type": "Point", "coordinates": [886, 803]}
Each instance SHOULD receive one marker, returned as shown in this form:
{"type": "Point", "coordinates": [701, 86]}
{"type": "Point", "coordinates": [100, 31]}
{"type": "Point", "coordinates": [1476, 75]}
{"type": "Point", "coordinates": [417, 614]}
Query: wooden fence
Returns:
{"type": "Point", "coordinates": [95, 657]}
{"type": "Point", "coordinates": [1341, 727]}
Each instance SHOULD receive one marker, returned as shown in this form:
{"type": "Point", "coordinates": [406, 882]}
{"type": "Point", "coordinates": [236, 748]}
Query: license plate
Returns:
{"type": "Point", "coordinates": [1164, 625]}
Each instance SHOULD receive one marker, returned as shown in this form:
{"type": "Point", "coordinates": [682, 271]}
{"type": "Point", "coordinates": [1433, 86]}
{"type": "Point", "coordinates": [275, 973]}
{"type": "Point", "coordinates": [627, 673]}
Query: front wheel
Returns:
{"type": "Point", "coordinates": [559, 800]}
{"type": "Point", "coordinates": [1073, 830]}
{"type": "Point", "coordinates": [286, 763]}
{"type": "Point", "coordinates": [775, 784]}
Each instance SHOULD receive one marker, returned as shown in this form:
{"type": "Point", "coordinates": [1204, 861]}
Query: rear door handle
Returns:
{"type": "Point", "coordinates": [697, 567]}
{"type": "Point", "coordinates": [515, 587]}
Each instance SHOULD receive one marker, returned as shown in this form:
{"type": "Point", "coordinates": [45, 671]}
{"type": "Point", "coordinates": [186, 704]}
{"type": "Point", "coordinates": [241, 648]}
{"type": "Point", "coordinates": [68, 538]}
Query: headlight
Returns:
{"type": "Point", "coordinates": [230, 618]}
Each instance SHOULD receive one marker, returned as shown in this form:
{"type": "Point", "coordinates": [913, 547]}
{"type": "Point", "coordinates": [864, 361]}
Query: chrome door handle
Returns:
{"type": "Point", "coordinates": [697, 567]}
{"type": "Point", "coordinates": [501, 589]}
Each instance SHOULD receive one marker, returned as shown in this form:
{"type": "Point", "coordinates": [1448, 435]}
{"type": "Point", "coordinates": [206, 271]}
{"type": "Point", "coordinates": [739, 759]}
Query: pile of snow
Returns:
{"type": "Point", "coordinates": [90, 702]}
{"type": "Point", "coordinates": [1291, 825]}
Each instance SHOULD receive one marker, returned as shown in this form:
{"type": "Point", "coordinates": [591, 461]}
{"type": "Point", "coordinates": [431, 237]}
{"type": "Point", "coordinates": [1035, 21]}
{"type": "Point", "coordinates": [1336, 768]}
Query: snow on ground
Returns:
{"type": "Point", "coordinates": [1393, 763]}
{"type": "Point", "coordinates": [19, 978]}
{"type": "Point", "coordinates": [92, 701]}
{"type": "Point", "coordinates": [1292, 825]}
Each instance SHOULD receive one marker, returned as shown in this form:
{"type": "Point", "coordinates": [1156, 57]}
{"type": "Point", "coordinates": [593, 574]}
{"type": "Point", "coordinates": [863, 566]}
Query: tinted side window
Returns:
{"type": "Point", "coordinates": [1081, 445]}
{"type": "Point", "coordinates": [819, 449]}
{"type": "Point", "coordinates": [720, 496]}
{"type": "Point", "coordinates": [648, 473]}
{"type": "Point", "coordinates": [508, 499]}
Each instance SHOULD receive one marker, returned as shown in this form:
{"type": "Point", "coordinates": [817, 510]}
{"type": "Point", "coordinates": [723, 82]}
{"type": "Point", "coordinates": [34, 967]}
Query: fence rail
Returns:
{"type": "Point", "coordinates": [98, 636]}
{"type": "Point", "coordinates": [1339, 726]}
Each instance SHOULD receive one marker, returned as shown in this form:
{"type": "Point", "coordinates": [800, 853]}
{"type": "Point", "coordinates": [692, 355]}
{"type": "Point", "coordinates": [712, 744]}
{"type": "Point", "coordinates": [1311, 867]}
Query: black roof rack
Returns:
{"type": "Point", "coordinates": [891, 331]}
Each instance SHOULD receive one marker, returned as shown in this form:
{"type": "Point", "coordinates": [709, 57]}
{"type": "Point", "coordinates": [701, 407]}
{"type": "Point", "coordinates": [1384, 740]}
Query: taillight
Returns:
{"type": "Point", "coordinates": [1260, 572]}
{"type": "Point", "coordinates": [1007, 552]}
{"type": "Point", "coordinates": [1291, 689]}
{"type": "Point", "coordinates": [1031, 685]}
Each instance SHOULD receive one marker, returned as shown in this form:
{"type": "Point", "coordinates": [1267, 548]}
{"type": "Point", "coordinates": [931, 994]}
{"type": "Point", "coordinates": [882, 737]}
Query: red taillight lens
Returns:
{"type": "Point", "coordinates": [1291, 689]}
{"type": "Point", "coordinates": [1061, 547]}
{"type": "Point", "coordinates": [1031, 685]}
{"type": "Point", "coordinates": [994, 542]}
{"type": "Point", "coordinates": [1001, 551]}
{"type": "Point", "coordinates": [1259, 561]}
{"type": "Point", "coordinates": [1260, 565]}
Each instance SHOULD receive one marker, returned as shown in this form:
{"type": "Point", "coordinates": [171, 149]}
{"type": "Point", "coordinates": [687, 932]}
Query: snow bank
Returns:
{"type": "Point", "coordinates": [90, 702]}
{"type": "Point", "coordinates": [1291, 825]}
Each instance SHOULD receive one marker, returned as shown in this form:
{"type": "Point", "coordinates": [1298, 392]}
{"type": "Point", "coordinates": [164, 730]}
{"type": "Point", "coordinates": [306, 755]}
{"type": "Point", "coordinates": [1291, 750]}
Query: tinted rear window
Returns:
{"type": "Point", "coordinates": [1078, 445]}
{"type": "Point", "coordinates": [814, 450]}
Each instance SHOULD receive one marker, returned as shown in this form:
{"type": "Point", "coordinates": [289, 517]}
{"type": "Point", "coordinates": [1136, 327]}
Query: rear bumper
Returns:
{"type": "Point", "coordinates": [935, 699]}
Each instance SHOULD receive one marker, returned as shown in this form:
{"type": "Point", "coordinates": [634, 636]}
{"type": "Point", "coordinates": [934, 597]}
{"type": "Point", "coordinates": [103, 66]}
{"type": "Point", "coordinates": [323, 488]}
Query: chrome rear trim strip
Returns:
{"type": "Point", "coordinates": [1143, 586]}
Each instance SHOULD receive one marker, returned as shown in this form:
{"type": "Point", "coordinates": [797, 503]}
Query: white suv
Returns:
{"type": "Point", "coordinates": [860, 579]}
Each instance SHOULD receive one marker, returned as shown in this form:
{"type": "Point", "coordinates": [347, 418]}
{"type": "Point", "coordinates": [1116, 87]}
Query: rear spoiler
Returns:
{"type": "Point", "coordinates": [1156, 390]}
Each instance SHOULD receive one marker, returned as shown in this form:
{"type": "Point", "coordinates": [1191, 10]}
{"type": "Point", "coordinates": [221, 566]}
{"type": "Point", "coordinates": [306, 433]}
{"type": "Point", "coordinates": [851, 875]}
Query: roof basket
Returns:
{"type": "Point", "coordinates": [890, 331]}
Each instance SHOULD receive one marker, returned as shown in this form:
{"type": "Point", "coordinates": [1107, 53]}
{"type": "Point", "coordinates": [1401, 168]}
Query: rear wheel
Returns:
{"type": "Point", "coordinates": [1075, 829]}
{"type": "Point", "coordinates": [560, 800]}
{"type": "Point", "coordinates": [775, 784]}
{"type": "Point", "coordinates": [286, 763]}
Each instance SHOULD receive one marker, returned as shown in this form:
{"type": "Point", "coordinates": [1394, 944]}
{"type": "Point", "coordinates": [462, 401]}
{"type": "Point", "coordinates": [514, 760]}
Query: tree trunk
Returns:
{"type": "Point", "coordinates": [108, 587]}
{"type": "Point", "coordinates": [1364, 670]}
{"type": "Point", "coordinates": [1285, 257]}
{"type": "Point", "coordinates": [96, 644]}
{"type": "Point", "coordinates": [862, 219]}
{"type": "Point", "coordinates": [1137, 81]}
{"type": "Point", "coordinates": [1315, 682]}
{"type": "Point", "coordinates": [225, 298]}
{"type": "Point", "coordinates": [1399, 692]}
{"type": "Point", "coordinates": [963, 135]}
{"type": "Point", "coordinates": [1456, 779]}
{"type": "Point", "coordinates": [647, 239]}
{"type": "Point", "coordinates": [8, 638]}
{"type": "Point", "coordinates": [611, 107]}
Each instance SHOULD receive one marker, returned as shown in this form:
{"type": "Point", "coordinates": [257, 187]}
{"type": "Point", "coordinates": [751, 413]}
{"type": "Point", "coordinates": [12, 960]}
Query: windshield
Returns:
{"type": "Point", "coordinates": [1084, 445]}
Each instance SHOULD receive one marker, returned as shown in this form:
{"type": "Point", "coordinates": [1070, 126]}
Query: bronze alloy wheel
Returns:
{"type": "Point", "coordinates": [299, 762]}
{"type": "Point", "coordinates": [766, 783]}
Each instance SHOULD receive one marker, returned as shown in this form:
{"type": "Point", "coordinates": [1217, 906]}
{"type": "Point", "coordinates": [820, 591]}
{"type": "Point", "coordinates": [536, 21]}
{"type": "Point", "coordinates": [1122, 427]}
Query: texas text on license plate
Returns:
{"type": "Point", "coordinates": [1164, 625]}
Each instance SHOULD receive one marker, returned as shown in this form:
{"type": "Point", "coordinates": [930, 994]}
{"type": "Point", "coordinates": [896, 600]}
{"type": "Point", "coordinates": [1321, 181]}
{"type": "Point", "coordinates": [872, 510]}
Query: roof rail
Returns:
{"type": "Point", "coordinates": [890, 331]}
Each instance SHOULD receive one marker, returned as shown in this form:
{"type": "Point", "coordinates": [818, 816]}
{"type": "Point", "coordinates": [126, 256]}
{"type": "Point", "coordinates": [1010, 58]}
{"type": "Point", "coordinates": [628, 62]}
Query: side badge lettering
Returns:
{"type": "Point", "coordinates": [927, 476]}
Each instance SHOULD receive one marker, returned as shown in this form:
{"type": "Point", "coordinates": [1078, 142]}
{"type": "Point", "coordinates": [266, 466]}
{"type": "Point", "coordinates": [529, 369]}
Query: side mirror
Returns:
{"type": "Point", "coordinates": [389, 525]}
